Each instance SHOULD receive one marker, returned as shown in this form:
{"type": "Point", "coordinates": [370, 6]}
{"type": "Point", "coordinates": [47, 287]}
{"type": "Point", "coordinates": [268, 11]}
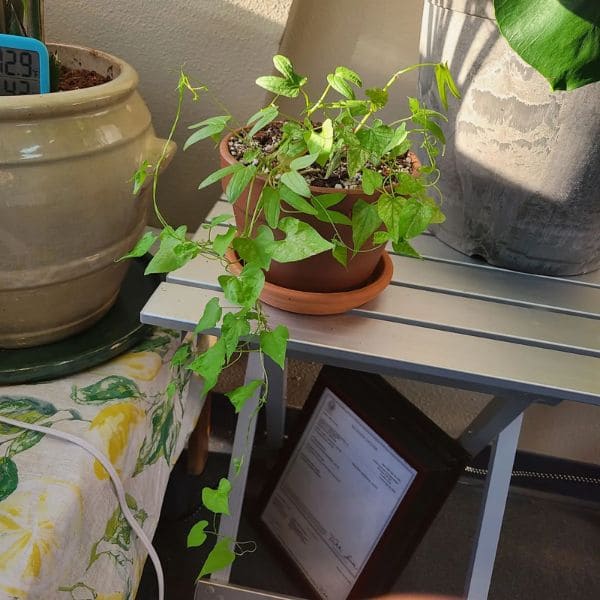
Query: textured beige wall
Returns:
{"type": "Point", "coordinates": [225, 44]}
{"type": "Point", "coordinates": [228, 43]}
{"type": "Point", "coordinates": [323, 34]}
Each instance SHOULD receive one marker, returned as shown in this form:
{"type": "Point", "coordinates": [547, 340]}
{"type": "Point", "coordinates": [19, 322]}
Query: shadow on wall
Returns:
{"type": "Point", "coordinates": [225, 44]}
{"type": "Point", "coordinates": [374, 39]}
{"type": "Point", "coordinates": [517, 191]}
{"type": "Point", "coordinates": [469, 40]}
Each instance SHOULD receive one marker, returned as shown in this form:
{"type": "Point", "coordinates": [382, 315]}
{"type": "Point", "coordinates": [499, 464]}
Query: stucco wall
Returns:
{"type": "Point", "coordinates": [376, 43]}
{"type": "Point", "coordinates": [227, 44]}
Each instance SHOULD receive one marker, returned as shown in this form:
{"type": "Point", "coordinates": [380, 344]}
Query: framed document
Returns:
{"type": "Point", "coordinates": [358, 485]}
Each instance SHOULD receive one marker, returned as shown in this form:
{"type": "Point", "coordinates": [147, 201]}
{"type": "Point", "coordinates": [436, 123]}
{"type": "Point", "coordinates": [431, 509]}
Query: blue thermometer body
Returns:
{"type": "Point", "coordinates": [24, 66]}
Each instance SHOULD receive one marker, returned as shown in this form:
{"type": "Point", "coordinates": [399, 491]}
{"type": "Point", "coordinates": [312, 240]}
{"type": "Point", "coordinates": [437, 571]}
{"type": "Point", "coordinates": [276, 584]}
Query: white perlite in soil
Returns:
{"type": "Point", "coordinates": [267, 140]}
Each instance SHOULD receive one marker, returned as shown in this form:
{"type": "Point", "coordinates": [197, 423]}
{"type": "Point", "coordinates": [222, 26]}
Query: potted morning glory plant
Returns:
{"type": "Point", "coordinates": [317, 199]}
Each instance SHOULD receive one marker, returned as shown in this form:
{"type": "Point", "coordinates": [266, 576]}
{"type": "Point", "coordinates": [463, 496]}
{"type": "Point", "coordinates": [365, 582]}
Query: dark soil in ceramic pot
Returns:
{"type": "Point", "coordinates": [320, 273]}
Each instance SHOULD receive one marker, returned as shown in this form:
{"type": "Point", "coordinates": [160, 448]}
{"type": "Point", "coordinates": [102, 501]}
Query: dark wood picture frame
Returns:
{"type": "Point", "coordinates": [437, 458]}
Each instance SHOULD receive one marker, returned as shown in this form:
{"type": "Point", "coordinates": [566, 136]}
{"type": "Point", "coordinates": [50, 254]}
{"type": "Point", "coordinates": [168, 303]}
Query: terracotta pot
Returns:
{"type": "Point", "coordinates": [66, 207]}
{"type": "Point", "coordinates": [319, 273]}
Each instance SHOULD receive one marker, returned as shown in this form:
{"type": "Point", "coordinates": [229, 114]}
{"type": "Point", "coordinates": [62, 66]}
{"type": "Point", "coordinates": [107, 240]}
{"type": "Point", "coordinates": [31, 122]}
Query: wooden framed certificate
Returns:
{"type": "Point", "coordinates": [358, 485]}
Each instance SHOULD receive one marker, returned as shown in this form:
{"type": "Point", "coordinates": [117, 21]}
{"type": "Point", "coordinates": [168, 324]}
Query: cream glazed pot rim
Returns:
{"type": "Point", "coordinates": [75, 101]}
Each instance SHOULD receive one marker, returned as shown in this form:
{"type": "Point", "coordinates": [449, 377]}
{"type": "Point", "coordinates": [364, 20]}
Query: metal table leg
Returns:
{"type": "Point", "coordinates": [276, 403]}
{"type": "Point", "coordinates": [242, 446]}
{"type": "Point", "coordinates": [496, 416]}
{"type": "Point", "coordinates": [492, 513]}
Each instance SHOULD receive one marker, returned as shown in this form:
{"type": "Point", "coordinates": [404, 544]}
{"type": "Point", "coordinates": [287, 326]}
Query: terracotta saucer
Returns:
{"type": "Point", "coordinates": [322, 303]}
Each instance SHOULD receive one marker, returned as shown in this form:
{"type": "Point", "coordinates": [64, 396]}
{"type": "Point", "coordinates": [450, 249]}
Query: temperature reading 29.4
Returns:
{"type": "Point", "coordinates": [19, 72]}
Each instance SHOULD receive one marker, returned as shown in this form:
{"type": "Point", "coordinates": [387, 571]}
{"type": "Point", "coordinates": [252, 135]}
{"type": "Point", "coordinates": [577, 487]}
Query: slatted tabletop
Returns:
{"type": "Point", "coordinates": [447, 318]}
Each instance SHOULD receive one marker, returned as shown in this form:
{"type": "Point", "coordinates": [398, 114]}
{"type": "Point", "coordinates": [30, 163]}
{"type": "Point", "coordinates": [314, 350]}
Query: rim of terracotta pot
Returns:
{"type": "Point", "coordinates": [224, 151]}
{"type": "Point", "coordinates": [321, 303]}
{"type": "Point", "coordinates": [124, 83]}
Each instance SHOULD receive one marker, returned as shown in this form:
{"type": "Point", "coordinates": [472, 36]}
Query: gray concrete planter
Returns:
{"type": "Point", "coordinates": [66, 206]}
{"type": "Point", "coordinates": [521, 176]}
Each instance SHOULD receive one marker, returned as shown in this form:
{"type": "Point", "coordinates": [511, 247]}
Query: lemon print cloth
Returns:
{"type": "Point", "coordinates": [62, 532]}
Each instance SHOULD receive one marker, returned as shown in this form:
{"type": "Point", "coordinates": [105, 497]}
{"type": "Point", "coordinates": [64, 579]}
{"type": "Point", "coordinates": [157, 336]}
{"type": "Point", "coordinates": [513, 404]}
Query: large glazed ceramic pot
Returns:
{"type": "Point", "coordinates": [520, 174]}
{"type": "Point", "coordinates": [66, 205]}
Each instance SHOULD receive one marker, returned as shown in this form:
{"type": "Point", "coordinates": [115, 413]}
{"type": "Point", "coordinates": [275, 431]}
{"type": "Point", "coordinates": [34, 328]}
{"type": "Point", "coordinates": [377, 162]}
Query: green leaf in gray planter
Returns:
{"type": "Point", "coordinates": [558, 38]}
{"type": "Point", "coordinates": [113, 387]}
{"type": "Point", "coordinates": [9, 477]}
{"type": "Point", "coordinates": [23, 408]}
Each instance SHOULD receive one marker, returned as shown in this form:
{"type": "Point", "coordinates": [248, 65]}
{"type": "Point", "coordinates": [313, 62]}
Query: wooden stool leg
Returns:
{"type": "Point", "coordinates": [198, 443]}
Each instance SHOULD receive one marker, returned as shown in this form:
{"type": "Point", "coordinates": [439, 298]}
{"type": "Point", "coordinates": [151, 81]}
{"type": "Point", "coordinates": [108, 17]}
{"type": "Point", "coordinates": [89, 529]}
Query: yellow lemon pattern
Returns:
{"type": "Point", "coordinates": [114, 424]}
{"type": "Point", "coordinates": [28, 540]}
{"type": "Point", "coordinates": [143, 366]}
{"type": "Point", "coordinates": [63, 535]}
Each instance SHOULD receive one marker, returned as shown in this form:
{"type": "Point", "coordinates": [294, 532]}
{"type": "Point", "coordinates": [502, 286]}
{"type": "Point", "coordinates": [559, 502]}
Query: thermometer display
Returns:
{"type": "Point", "coordinates": [24, 66]}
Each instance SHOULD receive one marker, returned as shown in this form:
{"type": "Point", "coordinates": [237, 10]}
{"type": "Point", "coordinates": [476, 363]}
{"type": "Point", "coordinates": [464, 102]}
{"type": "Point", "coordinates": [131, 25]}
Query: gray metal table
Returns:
{"type": "Point", "coordinates": [447, 319]}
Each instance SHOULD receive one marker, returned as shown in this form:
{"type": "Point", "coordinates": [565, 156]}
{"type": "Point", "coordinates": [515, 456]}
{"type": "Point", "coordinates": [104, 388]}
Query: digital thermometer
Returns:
{"type": "Point", "coordinates": [24, 66]}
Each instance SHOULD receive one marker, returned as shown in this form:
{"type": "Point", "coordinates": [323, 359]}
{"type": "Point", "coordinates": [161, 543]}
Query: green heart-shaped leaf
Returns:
{"type": "Point", "coordinates": [558, 38]}
{"type": "Point", "coordinates": [274, 344]}
{"type": "Point", "coordinates": [217, 500]}
{"type": "Point", "coordinates": [301, 241]}
{"type": "Point", "coordinates": [196, 536]}
{"type": "Point", "coordinates": [210, 317]}
{"type": "Point", "coordinates": [242, 394]}
{"type": "Point", "coordinates": [220, 556]}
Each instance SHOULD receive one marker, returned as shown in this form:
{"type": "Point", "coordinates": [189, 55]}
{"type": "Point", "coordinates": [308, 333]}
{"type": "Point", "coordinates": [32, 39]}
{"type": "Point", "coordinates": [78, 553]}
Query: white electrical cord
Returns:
{"type": "Point", "coordinates": [63, 435]}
